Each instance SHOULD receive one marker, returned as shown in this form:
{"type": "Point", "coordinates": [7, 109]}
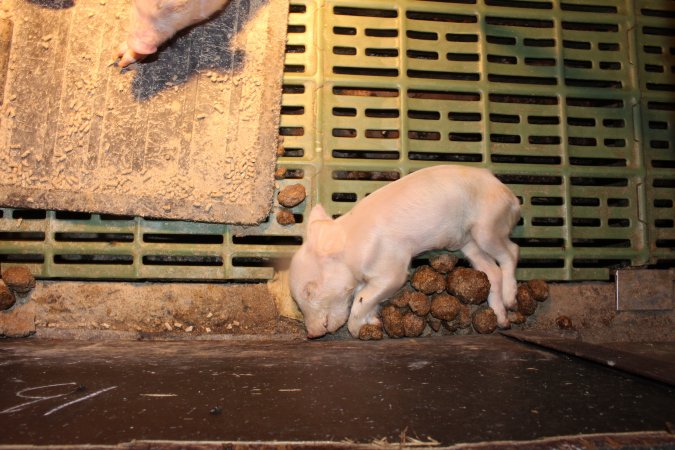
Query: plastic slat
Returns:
{"type": "Point", "coordinates": [572, 104]}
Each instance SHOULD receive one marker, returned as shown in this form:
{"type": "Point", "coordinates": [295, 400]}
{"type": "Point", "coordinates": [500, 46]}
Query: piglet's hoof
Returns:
{"type": "Point", "coordinates": [125, 56]}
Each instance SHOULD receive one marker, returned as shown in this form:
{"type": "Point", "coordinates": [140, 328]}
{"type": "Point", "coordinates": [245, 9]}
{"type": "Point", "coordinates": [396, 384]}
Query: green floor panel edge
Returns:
{"type": "Point", "coordinates": [571, 104]}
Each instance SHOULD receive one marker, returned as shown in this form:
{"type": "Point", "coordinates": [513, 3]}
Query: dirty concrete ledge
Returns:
{"type": "Point", "coordinates": [122, 310]}
{"type": "Point", "coordinates": [171, 311]}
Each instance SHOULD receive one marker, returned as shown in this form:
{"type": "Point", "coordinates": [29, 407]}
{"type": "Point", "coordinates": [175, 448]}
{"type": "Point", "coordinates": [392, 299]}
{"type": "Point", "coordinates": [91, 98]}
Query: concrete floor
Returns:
{"type": "Point", "coordinates": [442, 391]}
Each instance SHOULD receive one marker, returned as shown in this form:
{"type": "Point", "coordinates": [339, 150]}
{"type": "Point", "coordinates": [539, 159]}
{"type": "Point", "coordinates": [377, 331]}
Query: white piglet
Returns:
{"type": "Point", "coordinates": [153, 22]}
{"type": "Point", "coordinates": [361, 258]}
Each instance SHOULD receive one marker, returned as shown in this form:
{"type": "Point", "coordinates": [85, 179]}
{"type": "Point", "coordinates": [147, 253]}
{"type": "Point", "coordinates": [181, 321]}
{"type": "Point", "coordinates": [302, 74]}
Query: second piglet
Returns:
{"type": "Point", "coordinates": [346, 267]}
{"type": "Point", "coordinates": [153, 22]}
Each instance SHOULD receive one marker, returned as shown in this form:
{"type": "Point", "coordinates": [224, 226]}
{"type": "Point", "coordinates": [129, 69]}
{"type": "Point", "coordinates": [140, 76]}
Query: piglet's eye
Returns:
{"type": "Point", "coordinates": [308, 292]}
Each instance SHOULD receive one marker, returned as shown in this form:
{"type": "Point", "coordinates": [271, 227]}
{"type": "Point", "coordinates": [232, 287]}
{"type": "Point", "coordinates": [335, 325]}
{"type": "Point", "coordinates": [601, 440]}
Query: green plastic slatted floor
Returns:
{"type": "Point", "coordinates": [571, 103]}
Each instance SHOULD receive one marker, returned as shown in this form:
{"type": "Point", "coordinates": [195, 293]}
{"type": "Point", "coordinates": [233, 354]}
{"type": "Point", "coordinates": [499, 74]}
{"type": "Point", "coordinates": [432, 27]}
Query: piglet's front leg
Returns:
{"type": "Point", "coordinates": [366, 301]}
{"type": "Point", "coordinates": [363, 312]}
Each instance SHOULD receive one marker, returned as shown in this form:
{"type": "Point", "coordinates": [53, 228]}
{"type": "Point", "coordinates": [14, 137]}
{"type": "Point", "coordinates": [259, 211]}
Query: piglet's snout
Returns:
{"type": "Point", "coordinates": [313, 334]}
{"type": "Point", "coordinates": [319, 331]}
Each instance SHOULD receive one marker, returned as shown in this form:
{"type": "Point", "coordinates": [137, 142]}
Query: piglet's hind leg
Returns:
{"type": "Point", "coordinates": [493, 240]}
{"type": "Point", "coordinates": [508, 260]}
{"type": "Point", "coordinates": [480, 260]}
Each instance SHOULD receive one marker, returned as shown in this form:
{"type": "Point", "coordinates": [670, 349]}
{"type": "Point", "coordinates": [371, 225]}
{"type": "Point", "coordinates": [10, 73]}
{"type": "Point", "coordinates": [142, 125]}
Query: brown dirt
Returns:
{"type": "Point", "coordinates": [19, 279]}
{"type": "Point", "coordinates": [564, 323]}
{"type": "Point", "coordinates": [419, 304]}
{"type": "Point", "coordinates": [527, 305]}
{"type": "Point", "coordinates": [7, 298]}
{"type": "Point", "coordinates": [469, 285]}
{"type": "Point", "coordinates": [445, 306]}
{"type": "Point", "coordinates": [413, 325]}
{"type": "Point", "coordinates": [401, 299]}
{"type": "Point", "coordinates": [539, 289]}
{"type": "Point", "coordinates": [427, 280]}
{"type": "Point", "coordinates": [285, 217]}
{"type": "Point", "coordinates": [392, 319]}
{"type": "Point", "coordinates": [370, 333]}
{"type": "Point", "coordinates": [484, 320]}
{"type": "Point", "coordinates": [461, 321]}
{"type": "Point", "coordinates": [292, 195]}
{"type": "Point", "coordinates": [444, 262]}
{"type": "Point", "coordinates": [516, 318]}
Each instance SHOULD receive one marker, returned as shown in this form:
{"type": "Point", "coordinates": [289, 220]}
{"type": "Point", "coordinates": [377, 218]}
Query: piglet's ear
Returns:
{"type": "Point", "coordinates": [324, 236]}
{"type": "Point", "coordinates": [318, 213]}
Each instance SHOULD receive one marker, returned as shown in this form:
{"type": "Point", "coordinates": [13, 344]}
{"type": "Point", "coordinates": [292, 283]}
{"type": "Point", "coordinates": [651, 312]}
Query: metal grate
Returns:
{"type": "Point", "coordinates": [572, 104]}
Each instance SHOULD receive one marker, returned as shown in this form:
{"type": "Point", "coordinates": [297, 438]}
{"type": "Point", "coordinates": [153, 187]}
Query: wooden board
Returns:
{"type": "Point", "coordinates": [190, 133]}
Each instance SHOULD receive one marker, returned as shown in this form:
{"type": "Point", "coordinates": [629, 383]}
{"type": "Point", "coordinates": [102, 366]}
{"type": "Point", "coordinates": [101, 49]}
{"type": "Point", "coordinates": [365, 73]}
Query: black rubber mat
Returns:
{"type": "Point", "coordinates": [656, 365]}
{"type": "Point", "coordinates": [440, 391]}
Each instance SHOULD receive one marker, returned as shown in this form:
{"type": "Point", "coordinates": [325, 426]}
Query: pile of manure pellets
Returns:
{"type": "Point", "coordinates": [442, 298]}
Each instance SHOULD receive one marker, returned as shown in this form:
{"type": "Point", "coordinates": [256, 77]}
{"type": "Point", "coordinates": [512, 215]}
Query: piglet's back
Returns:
{"type": "Point", "coordinates": [434, 187]}
{"type": "Point", "coordinates": [431, 208]}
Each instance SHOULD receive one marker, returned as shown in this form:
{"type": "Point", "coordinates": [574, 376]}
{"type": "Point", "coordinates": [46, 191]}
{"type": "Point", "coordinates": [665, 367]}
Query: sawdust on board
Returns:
{"type": "Point", "coordinates": [95, 140]}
